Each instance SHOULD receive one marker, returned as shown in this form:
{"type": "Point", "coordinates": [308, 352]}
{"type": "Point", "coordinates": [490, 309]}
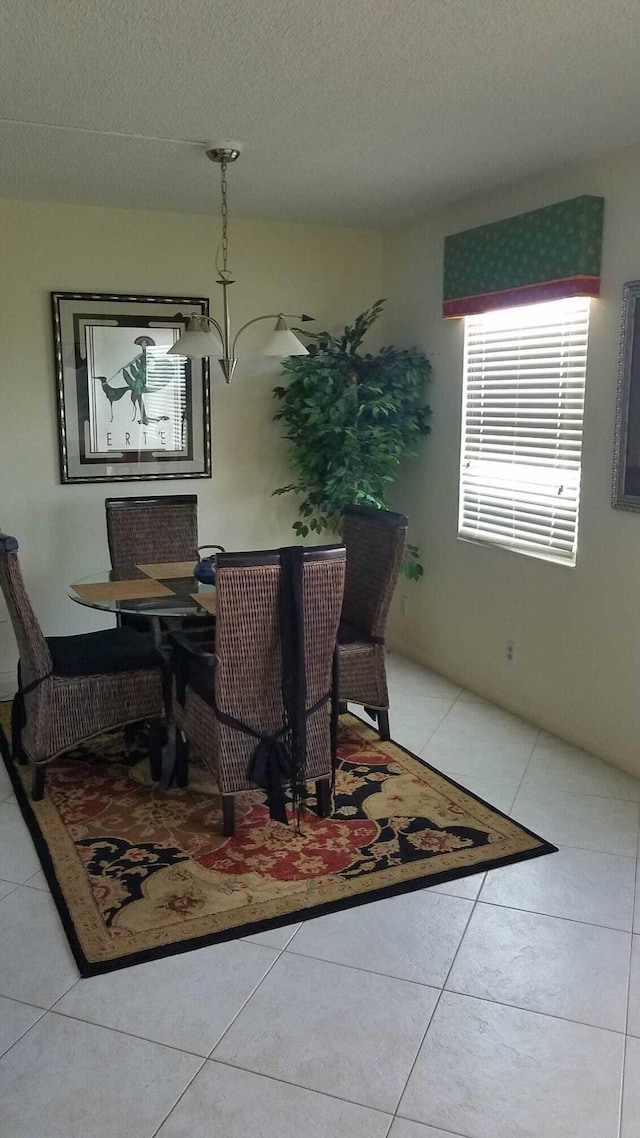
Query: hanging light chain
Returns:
{"type": "Point", "coordinates": [225, 215]}
{"type": "Point", "coordinates": [223, 153]}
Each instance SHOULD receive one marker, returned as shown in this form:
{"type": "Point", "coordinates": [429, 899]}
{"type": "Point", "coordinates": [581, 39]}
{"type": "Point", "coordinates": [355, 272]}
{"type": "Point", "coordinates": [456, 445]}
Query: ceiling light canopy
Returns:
{"type": "Point", "coordinates": [200, 339]}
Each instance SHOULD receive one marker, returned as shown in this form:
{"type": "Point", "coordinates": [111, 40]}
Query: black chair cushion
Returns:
{"type": "Point", "coordinates": [97, 653]}
{"type": "Point", "coordinates": [349, 634]}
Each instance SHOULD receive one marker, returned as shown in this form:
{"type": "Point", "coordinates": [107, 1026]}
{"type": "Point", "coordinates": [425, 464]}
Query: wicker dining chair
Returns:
{"type": "Point", "coordinates": [73, 687]}
{"type": "Point", "coordinates": [151, 530]}
{"type": "Point", "coordinates": [375, 541]}
{"type": "Point", "coordinates": [243, 679]}
{"type": "Point", "coordinates": [154, 530]}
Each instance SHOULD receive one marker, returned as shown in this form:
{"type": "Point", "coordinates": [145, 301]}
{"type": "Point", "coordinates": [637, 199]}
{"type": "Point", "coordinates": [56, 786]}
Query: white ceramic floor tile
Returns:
{"type": "Point", "coordinates": [11, 799]}
{"type": "Point", "coordinates": [275, 938]}
{"type": "Point", "coordinates": [490, 1071]}
{"type": "Point", "coordinates": [409, 679]}
{"type": "Point", "coordinates": [235, 1104]}
{"type": "Point", "coordinates": [636, 918]}
{"type": "Point", "coordinates": [481, 741]}
{"type": "Point", "coordinates": [468, 696]}
{"type": "Point", "coordinates": [633, 1026]}
{"type": "Point", "coordinates": [579, 884]}
{"type": "Point", "coordinates": [414, 936]}
{"type": "Point", "coordinates": [485, 1070]}
{"type": "Point", "coordinates": [15, 1019]}
{"type": "Point", "coordinates": [18, 858]}
{"type": "Point", "coordinates": [498, 792]}
{"type": "Point", "coordinates": [562, 766]}
{"type": "Point", "coordinates": [66, 1079]}
{"type": "Point", "coordinates": [583, 820]}
{"type": "Point", "coordinates": [6, 887]}
{"type": "Point", "coordinates": [38, 881]}
{"type": "Point", "coordinates": [36, 964]}
{"type": "Point", "coordinates": [545, 964]}
{"type": "Point", "coordinates": [184, 1001]}
{"type": "Point", "coordinates": [402, 1128]}
{"type": "Point", "coordinates": [413, 722]}
{"type": "Point", "coordinates": [631, 1098]}
{"type": "Point", "coordinates": [350, 1034]}
{"type": "Point", "coordinates": [468, 887]}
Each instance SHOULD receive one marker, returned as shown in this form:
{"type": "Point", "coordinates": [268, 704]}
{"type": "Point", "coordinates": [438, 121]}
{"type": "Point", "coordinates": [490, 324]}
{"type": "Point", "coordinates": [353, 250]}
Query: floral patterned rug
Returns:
{"type": "Point", "coordinates": [137, 873]}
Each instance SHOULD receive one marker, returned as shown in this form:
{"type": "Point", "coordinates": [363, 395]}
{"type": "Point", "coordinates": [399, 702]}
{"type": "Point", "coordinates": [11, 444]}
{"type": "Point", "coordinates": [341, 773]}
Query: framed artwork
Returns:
{"type": "Point", "coordinates": [626, 454]}
{"type": "Point", "coordinates": [128, 411]}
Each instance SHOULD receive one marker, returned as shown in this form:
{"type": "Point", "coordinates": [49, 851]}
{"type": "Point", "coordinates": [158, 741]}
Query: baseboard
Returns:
{"type": "Point", "coordinates": [7, 685]}
{"type": "Point", "coordinates": [598, 747]}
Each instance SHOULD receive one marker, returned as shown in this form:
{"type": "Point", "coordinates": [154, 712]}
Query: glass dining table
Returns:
{"type": "Point", "coordinates": [156, 591]}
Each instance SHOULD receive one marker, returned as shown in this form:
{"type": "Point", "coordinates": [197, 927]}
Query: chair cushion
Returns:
{"type": "Point", "coordinates": [349, 634]}
{"type": "Point", "coordinates": [96, 653]}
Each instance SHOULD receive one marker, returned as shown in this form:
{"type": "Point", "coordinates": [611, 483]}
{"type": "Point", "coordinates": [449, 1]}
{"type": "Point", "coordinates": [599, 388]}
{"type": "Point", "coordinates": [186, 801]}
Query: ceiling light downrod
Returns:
{"type": "Point", "coordinates": [199, 340]}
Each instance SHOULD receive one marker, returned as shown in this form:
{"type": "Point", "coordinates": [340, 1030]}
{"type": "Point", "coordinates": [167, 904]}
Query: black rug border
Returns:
{"type": "Point", "coordinates": [88, 968]}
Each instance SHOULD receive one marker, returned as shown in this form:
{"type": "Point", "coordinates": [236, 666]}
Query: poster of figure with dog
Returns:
{"type": "Point", "coordinates": [127, 409]}
{"type": "Point", "coordinates": [138, 393]}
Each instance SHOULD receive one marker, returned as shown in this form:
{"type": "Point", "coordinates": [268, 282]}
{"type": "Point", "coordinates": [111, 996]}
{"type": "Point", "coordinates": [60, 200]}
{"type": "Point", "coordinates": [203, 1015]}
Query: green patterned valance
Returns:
{"type": "Point", "coordinates": [543, 255]}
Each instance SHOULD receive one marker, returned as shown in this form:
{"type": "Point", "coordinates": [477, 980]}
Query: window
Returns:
{"type": "Point", "coordinates": [522, 412]}
{"type": "Point", "coordinates": [167, 397]}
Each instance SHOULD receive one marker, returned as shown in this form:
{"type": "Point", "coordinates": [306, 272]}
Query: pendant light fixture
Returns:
{"type": "Point", "coordinates": [204, 336]}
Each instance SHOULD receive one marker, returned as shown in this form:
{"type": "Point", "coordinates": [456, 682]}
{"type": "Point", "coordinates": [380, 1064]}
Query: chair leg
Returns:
{"type": "Point", "coordinates": [334, 728]}
{"type": "Point", "coordinates": [228, 815]}
{"type": "Point", "coordinates": [182, 758]}
{"type": "Point", "coordinates": [342, 707]}
{"type": "Point", "coordinates": [323, 794]}
{"type": "Point", "coordinates": [156, 735]}
{"type": "Point", "coordinates": [383, 726]}
{"type": "Point", "coordinates": [37, 784]}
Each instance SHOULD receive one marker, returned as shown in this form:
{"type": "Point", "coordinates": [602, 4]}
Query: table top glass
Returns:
{"type": "Point", "coordinates": [177, 595]}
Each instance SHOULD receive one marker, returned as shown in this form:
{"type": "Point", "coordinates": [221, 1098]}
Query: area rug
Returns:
{"type": "Point", "coordinates": [137, 873]}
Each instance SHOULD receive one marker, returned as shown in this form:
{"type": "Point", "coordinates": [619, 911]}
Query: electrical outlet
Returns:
{"type": "Point", "coordinates": [510, 651]}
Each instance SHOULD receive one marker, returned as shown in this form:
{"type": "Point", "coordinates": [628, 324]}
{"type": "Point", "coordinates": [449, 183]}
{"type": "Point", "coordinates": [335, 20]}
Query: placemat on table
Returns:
{"type": "Point", "coordinates": [122, 590]}
{"type": "Point", "coordinates": [207, 600]}
{"type": "Point", "coordinates": [169, 569]}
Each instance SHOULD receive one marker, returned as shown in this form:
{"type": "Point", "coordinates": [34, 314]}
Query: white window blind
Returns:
{"type": "Point", "coordinates": [167, 395]}
{"type": "Point", "coordinates": [523, 405]}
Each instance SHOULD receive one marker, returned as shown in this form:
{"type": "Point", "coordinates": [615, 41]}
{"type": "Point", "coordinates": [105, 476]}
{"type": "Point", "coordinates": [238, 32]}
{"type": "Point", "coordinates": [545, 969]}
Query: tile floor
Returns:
{"type": "Point", "coordinates": [498, 1007]}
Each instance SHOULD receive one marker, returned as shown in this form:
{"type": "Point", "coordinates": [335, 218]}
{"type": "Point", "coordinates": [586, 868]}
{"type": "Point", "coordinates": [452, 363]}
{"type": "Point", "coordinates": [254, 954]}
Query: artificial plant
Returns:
{"type": "Point", "coordinates": [351, 418]}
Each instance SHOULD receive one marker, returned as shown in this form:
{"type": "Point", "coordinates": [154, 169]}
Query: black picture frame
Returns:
{"type": "Point", "coordinates": [626, 451]}
{"type": "Point", "coordinates": [127, 411]}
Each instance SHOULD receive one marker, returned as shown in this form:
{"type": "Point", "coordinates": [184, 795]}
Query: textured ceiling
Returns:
{"type": "Point", "coordinates": [358, 111]}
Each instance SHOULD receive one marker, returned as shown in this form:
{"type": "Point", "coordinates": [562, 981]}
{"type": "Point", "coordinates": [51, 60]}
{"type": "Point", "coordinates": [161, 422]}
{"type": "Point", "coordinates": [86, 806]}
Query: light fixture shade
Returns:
{"type": "Point", "coordinates": [282, 342]}
{"type": "Point", "coordinates": [197, 341]}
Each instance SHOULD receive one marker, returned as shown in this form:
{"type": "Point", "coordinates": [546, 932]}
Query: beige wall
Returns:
{"type": "Point", "coordinates": [576, 630]}
{"type": "Point", "coordinates": [328, 272]}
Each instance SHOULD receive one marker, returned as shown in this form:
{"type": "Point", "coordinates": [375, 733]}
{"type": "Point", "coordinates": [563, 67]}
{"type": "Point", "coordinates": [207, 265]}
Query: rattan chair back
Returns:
{"type": "Point", "coordinates": [35, 658]}
{"type": "Point", "coordinates": [152, 530]}
{"type": "Point", "coordinates": [248, 676]}
{"type": "Point", "coordinates": [375, 542]}
{"type": "Point", "coordinates": [55, 707]}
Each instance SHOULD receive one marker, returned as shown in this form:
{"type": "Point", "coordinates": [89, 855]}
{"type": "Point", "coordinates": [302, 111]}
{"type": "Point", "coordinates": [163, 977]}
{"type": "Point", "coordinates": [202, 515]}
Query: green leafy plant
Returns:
{"type": "Point", "coordinates": [351, 419]}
